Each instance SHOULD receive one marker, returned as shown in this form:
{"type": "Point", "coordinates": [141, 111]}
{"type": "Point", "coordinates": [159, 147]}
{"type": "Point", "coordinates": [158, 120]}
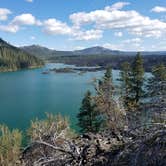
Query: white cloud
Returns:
{"type": "Point", "coordinates": [118, 34]}
{"type": "Point", "coordinates": [18, 21]}
{"type": "Point", "coordinates": [134, 40]}
{"type": "Point", "coordinates": [4, 14]}
{"type": "Point", "coordinates": [9, 28]}
{"type": "Point", "coordinates": [158, 9]}
{"type": "Point", "coordinates": [129, 46]}
{"type": "Point", "coordinates": [87, 35]}
{"type": "Point", "coordinates": [55, 27]}
{"type": "Point", "coordinates": [25, 19]}
{"type": "Point", "coordinates": [91, 25]}
{"type": "Point", "coordinates": [29, 0]}
{"type": "Point", "coordinates": [130, 20]}
{"type": "Point", "coordinates": [113, 46]}
{"type": "Point", "coordinates": [117, 6]}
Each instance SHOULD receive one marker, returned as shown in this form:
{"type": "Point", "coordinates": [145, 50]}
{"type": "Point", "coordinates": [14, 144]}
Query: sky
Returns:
{"type": "Point", "coordinates": [131, 25]}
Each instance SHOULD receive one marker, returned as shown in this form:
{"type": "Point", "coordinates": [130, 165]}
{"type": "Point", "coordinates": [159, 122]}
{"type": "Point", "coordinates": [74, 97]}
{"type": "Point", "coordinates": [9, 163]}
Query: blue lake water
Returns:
{"type": "Point", "coordinates": [27, 94]}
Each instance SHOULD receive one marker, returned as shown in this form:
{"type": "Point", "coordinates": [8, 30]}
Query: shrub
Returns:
{"type": "Point", "coordinates": [10, 145]}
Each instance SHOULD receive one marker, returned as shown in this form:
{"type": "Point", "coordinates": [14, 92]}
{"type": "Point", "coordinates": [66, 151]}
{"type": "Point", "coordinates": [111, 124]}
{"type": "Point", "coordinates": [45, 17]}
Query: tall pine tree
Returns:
{"type": "Point", "coordinates": [108, 104]}
{"type": "Point", "coordinates": [156, 93]}
{"type": "Point", "coordinates": [137, 80]}
{"type": "Point", "coordinates": [125, 80]}
{"type": "Point", "coordinates": [132, 86]}
{"type": "Point", "coordinates": [88, 117]}
{"type": "Point", "coordinates": [132, 82]}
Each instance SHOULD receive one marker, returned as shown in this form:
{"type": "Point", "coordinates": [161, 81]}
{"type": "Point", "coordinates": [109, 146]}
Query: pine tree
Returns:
{"type": "Point", "coordinates": [137, 81]}
{"type": "Point", "coordinates": [132, 86]}
{"type": "Point", "coordinates": [107, 103]}
{"type": "Point", "coordinates": [88, 117]}
{"type": "Point", "coordinates": [156, 92]}
{"type": "Point", "coordinates": [125, 88]}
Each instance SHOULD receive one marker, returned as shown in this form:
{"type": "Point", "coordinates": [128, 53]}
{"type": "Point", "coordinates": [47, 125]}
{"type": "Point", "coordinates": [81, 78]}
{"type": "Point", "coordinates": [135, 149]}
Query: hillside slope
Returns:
{"type": "Point", "coordinates": [13, 58]}
{"type": "Point", "coordinates": [46, 53]}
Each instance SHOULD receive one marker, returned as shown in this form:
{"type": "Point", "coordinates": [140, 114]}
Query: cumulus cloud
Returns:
{"type": "Point", "coordinates": [158, 9]}
{"type": "Point", "coordinates": [117, 6]}
{"type": "Point", "coordinates": [54, 27]}
{"type": "Point", "coordinates": [130, 20]}
{"type": "Point", "coordinates": [91, 25]}
{"type": "Point", "coordinates": [25, 19]}
{"type": "Point", "coordinates": [4, 14]}
{"type": "Point", "coordinates": [88, 35]}
{"type": "Point", "coordinates": [18, 21]}
{"type": "Point", "coordinates": [9, 28]}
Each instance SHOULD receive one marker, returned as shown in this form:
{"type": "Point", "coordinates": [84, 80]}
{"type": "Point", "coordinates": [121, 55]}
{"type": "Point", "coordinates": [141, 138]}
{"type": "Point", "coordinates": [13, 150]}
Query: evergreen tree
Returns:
{"type": "Point", "coordinates": [88, 117]}
{"type": "Point", "coordinates": [156, 92]}
{"type": "Point", "coordinates": [137, 78]}
{"type": "Point", "coordinates": [107, 103]}
{"type": "Point", "coordinates": [132, 82]}
{"type": "Point", "coordinates": [125, 80]}
{"type": "Point", "coordinates": [12, 58]}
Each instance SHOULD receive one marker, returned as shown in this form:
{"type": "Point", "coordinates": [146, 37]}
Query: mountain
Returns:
{"type": "Point", "coordinates": [43, 52]}
{"type": "Point", "coordinates": [46, 53]}
{"type": "Point", "coordinates": [96, 56]}
{"type": "Point", "coordinates": [13, 58]}
{"type": "Point", "coordinates": [94, 51]}
{"type": "Point", "coordinates": [38, 51]}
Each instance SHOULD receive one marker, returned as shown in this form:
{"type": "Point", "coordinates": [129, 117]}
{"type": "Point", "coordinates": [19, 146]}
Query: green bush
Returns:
{"type": "Point", "coordinates": [10, 145]}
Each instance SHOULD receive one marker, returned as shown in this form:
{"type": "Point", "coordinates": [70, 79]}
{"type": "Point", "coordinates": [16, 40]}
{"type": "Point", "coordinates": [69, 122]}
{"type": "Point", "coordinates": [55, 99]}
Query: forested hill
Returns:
{"type": "Point", "coordinates": [13, 58]}
{"type": "Point", "coordinates": [46, 53]}
{"type": "Point", "coordinates": [95, 56]}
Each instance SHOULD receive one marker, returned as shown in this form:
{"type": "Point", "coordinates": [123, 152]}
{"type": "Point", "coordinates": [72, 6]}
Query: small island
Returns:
{"type": "Point", "coordinates": [77, 69]}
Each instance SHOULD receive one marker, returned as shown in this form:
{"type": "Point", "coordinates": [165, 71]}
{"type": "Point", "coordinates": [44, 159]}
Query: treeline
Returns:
{"type": "Point", "coordinates": [122, 125]}
{"type": "Point", "coordinates": [12, 58]}
{"type": "Point", "coordinates": [141, 101]}
{"type": "Point", "coordinates": [104, 60]}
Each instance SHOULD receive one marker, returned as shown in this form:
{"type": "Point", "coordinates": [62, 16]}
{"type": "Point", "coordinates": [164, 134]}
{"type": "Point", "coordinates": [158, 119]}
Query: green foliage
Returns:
{"type": "Point", "coordinates": [10, 145]}
{"type": "Point", "coordinates": [156, 93]}
{"type": "Point", "coordinates": [132, 82]}
{"type": "Point", "coordinates": [103, 60]}
{"type": "Point", "coordinates": [12, 58]}
{"type": "Point", "coordinates": [52, 125]}
{"type": "Point", "coordinates": [108, 74]}
{"type": "Point", "coordinates": [88, 117]}
{"type": "Point", "coordinates": [125, 74]}
{"type": "Point", "coordinates": [107, 103]}
{"type": "Point", "coordinates": [159, 72]}
{"type": "Point", "coordinates": [137, 79]}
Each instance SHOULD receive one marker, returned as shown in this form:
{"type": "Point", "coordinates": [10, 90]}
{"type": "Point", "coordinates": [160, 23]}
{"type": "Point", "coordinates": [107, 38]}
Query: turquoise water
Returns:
{"type": "Point", "coordinates": [25, 95]}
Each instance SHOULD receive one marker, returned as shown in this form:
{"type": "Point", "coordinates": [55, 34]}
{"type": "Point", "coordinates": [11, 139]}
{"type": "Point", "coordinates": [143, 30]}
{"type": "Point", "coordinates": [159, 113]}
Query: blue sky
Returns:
{"type": "Point", "coordinates": [76, 24]}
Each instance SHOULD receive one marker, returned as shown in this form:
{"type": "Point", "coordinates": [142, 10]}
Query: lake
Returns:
{"type": "Point", "coordinates": [28, 94]}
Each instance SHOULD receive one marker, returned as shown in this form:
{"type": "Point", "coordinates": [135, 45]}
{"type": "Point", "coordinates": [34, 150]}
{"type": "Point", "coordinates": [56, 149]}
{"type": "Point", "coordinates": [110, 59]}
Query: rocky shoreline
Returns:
{"type": "Point", "coordinates": [74, 70]}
